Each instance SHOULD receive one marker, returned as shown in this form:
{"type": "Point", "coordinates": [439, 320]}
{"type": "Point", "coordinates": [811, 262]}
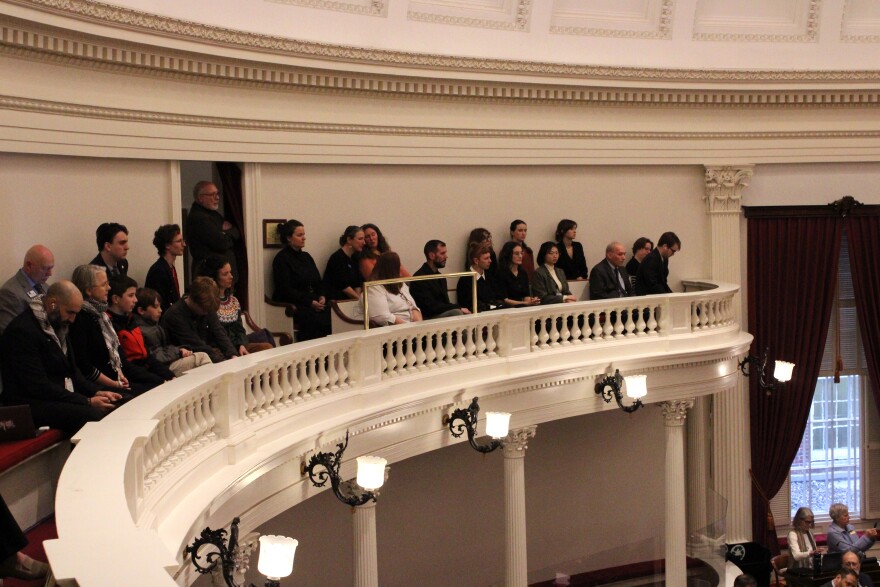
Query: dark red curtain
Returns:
{"type": "Point", "coordinates": [792, 266]}
{"type": "Point", "coordinates": [233, 208]}
{"type": "Point", "coordinates": [863, 232]}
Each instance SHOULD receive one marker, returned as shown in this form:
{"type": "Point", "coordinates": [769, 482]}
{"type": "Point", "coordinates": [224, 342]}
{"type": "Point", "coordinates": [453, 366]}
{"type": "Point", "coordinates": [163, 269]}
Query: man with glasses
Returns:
{"type": "Point", "coordinates": [844, 578]}
{"type": "Point", "coordinates": [206, 229]}
{"type": "Point", "coordinates": [654, 270]}
{"type": "Point", "coordinates": [162, 275]}
{"type": "Point", "coordinates": [852, 561]}
{"type": "Point", "coordinates": [26, 285]}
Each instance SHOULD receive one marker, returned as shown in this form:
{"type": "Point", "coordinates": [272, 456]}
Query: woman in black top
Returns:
{"type": "Point", "coordinates": [571, 254]}
{"type": "Point", "coordinates": [342, 277]}
{"type": "Point", "coordinates": [298, 282]}
{"type": "Point", "coordinates": [511, 281]}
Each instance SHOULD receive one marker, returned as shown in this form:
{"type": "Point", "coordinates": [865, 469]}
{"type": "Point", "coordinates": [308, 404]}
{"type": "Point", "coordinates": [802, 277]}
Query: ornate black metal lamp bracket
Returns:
{"type": "Point", "coordinates": [610, 387]}
{"type": "Point", "coordinates": [761, 364]}
{"type": "Point", "coordinates": [224, 554]}
{"type": "Point", "coordinates": [324, 466]}
{"type": "Point", "coordinates": [467, 418]}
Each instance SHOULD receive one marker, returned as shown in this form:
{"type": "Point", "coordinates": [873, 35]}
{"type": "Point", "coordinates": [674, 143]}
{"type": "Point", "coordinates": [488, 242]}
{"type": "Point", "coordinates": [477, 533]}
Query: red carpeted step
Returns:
{"type": "Point", "coordinates": [36, 535]}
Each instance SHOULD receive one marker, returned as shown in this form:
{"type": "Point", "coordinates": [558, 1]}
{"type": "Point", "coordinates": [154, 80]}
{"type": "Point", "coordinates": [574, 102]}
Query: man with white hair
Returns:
{"type": "Point", "coordinates": [26, 285]}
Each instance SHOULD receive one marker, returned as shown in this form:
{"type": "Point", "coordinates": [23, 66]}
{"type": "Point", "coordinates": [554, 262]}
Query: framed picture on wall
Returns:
{"type": "Point", "coordinates": [270, 233]}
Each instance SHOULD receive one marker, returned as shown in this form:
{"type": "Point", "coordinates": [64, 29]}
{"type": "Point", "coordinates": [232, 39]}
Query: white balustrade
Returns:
{"type": "Point", "coordinates": [192, 421]}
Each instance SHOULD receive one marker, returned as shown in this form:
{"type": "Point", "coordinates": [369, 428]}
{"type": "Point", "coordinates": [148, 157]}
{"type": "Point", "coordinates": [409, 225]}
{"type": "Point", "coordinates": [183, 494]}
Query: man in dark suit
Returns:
{"type": "Point", "coordinates": [206, 229]}
{"type": "Point", "coordinates": [112, 240]}
{"type": "Point", "coordinates": [162, 275]}
{"type": "Point", "coordinates": [654, 270]}
{"type": "Point", "coordinates": [844, 578]}
{"type": "Point", "coordinates": [853, 561]}
{"type": "Point", "coordinates": [26, 285]}
{"type": "Point", "coordinates": [608, 278]}
{"type": "Point", "coordinates": [39, 369]}
{"type": "Point", "coordinates": [431, 295]}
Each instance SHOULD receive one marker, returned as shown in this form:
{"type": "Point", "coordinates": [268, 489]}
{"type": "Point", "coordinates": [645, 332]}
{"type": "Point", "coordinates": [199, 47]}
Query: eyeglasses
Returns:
{"type": "Point", "coordinates": [211, 195]}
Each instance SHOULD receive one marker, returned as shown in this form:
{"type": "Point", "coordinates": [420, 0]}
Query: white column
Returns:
{"type": "Point", "coordinates": [731, 453]}
{"type": "Point", "coordinates": [674, 415]}
{"type": "Point", "coordinates": [366, 565]}
{"type": "Point", "coordinates": [697, 464]}
{"type": "Point", "coordinates": [515, 552]}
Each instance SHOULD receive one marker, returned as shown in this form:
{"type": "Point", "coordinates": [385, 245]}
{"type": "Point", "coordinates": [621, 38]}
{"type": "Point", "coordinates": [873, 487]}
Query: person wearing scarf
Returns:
{"type": "Point", "coordinates": [801, 543]}
{"type": "Point", "coordinates": [98, 354]}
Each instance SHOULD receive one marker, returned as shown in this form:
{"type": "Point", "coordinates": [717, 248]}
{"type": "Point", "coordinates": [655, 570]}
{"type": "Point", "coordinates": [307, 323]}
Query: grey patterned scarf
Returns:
{"type": "Point", "coordinates": [59, 335]}
{"type": "Point", "coordinates": [99, 310]}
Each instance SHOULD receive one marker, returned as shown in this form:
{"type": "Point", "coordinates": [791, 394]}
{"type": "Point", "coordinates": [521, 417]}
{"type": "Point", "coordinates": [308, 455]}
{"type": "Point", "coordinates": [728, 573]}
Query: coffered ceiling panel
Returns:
{"type": "Point", "coordinates": [643, 19]}
{"type": "Point", "coordinates": [368, 7]}
{"type": "Point", "coordinates": [757, 20]}
{"type": "Point", "coordinates": [509, 15]}
{"type": "Point", "coordinates": [861, 21]}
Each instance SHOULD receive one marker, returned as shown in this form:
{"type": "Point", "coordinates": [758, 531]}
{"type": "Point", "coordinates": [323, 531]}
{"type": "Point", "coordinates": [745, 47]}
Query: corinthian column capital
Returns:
{"type": "Point", "coordinates": [517, 441]}
{"type": "Point", "coordinates": [675, 411]}
{"type": "Point", "coordinates": [724, 186]}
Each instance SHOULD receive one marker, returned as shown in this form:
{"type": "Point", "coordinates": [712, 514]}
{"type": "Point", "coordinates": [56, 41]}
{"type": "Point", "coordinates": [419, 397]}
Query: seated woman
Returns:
{"type": "Point", "coordinates": [218, 268]}
{"type": "Point", "coordinates": [96, 346]}
{"type": "Point", "coordinates": [342, 277]}
{"type": "Point", "coordinates": [374, 245]}
{"type": "Point", "coordinates": [801, 543]}
{"type": "Point", "coordinates": [842, 535]}
{"type": "Point", "coordinates": [511, 282]}
{"type": "Point", "coordinates": [518, 231]}
{"type": "Point", "coordinates": [298, 282]}
{"type": "Point", "coordinates": [549, 282]}
{"type": "Point", "coordinates": [192, 322]}
{"type": "Point", "coordinates": [482, 237]}
{"type": "Point", "coordinates": [390, 303]}
{"type": "Point", "coordinates": [487, 297]}
{"type": "Point", "coordinates": [571, 253]}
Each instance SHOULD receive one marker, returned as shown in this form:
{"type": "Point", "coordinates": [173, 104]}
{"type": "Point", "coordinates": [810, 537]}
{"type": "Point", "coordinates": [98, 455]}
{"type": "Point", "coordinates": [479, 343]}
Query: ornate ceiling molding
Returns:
{"type": "Point", "coordinates": [126, 115]}
{"type": "Point", "coordinates": [364, 7]}
{"type": "Point", "coordinates": [802, 28]}
{"type": "Point", "coordinates": [625, 29]}
{"type": "Point", "coordinates": [520, 12]}
{"type": "Point", "coordinates": [93, 11]}
{"type": "Point", "coordinates": [860, 22]}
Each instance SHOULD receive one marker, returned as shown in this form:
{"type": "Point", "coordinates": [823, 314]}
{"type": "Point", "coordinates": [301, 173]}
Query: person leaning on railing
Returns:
{"type": "Point", "coordinates": [389, 303]}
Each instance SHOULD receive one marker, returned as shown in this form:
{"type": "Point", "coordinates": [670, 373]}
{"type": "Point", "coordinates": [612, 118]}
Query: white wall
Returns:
{"type": "Point", "coordinates": [591, 502]}
{"type": "Point", "coordinates": [60, 201]}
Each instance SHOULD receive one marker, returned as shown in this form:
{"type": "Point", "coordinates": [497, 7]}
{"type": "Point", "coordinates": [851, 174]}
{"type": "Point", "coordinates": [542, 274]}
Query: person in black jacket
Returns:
{"type": "Point", "coordinates": [487, 298]}
{"type": "Point", "coordinates": [206, 229]}
{"type": "Point", "coordinates": [98, 353]}
{"type": "Point", "coordinates": [571, 253]}
{"type": "Point", "coordinates": [162, 275]}
{"type": "Point", "coordinates": [298, 282]}
{"type": "Point", "coordinates": [654, 269]}
{"type": "Point", "coordinates": [510, 281]}
{"type": "Point", "coordinates": [39, 366]}
{"type": "Point", "coordinates": [112, 240]}
{"type": "Point", "coordinates": [431, 295]}
{"type": "Point", "coordinates": [193, 323]}
{"type": "Point", "coordinates": [608, 278]}
{"type": "Point", "coordinates": [342, 276]}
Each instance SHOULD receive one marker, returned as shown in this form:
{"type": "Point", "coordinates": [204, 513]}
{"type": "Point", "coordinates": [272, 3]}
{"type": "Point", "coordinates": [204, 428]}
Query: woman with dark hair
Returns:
{"type": "Point", "coordinates": [390, 303]}
{"type": "Point", "coordinates": [511, 282]}
{"type": "Point", "coordinates": [480, 237]}
{"type": "Point", "coordinates": [98, 353]}
{"type": "Point", "coordinates": [298, 282]}
{"type": "Point", "coordinates": [374, 245]}
{"type": "Point", "coordinates": [518, 231]}
{"type": "Point", "coordinates": [218, 268]}
{"type": "Point", "coordinates": [342, 277]}
{"type": "Point", "coordinates": [549, 282]}
{"type": "Point", "coordinates": [571, 254]}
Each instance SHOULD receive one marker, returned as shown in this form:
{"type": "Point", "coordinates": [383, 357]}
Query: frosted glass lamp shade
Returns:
{"type": "Point", "coordinates": [783, 371]}
{"type": "Point", "coordinates": [636, 386]}
{"type": "Point", "coordinates": [276, 556]}
{"type": "Point", "coordinates": [497, 424]}
{"type": "Point", "coordinates": [371, 472]}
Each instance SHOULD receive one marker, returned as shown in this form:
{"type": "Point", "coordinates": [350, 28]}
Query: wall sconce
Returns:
{"type": "Point", "coordinates": [324, 466]}
{"type": "Point", "coordinates": [782, 371]}
{"type": "Point", "coordinates": [497, 425]}
{"type": "Point", "coordinates": [276, 555]}
{"type": "Point", "coordinates": [612, 385]}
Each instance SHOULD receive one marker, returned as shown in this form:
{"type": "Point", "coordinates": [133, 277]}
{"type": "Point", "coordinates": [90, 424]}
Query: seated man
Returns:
{"type": "Point", "coordinates": [112, 240]}
{"type": "Point", "coordinates": [26, 285]}
{"type": "Point", "coordinates": [162, 275]}
{"type": "Point", "coordinates": [842, 535]}
{"type": "Point", "coordinates": [487, 299]}
{"type": "Point", "coordinates": [608, 278]}
{"type": "Point", "coordinates": [39, 368]}
{"type": "Point", "coordinates": [852, 561]}
{"type": "Point", "coordinates": [844, 578]}
{"type": "Point", "coordinates": [431, 295]}
{"type": "Point", "coordinates": [745, 581]}
{"type": "Point", "coordinates": [193, 323]}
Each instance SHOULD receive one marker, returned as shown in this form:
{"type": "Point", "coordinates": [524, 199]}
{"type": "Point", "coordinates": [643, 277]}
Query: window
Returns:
{"type": "Point", "coordinates": [831, 460]}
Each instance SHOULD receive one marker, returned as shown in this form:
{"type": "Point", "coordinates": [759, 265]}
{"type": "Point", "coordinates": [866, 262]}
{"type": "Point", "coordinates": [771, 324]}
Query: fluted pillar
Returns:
{"type": "Point", "coordinates": [366, 565]}
{"type": "Point", "coordinates": [515, 551]}
{"type": "Point", "coordinates": [731, 453]}
{"type": "Point", "coordinates": [674, 415]}
{"type": "Point", "coordinates": [697, 432]}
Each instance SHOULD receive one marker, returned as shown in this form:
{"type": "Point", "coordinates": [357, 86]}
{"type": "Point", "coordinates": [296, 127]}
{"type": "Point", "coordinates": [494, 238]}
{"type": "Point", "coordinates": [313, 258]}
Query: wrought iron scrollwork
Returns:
{"type": "Point", "coordinates": [324, 466]}
{"type": "Point", "coordinates": [224, 553]}
{"type": "Point", "coordinates": [468, 423]}
{"type": "Point", "coordinates": [769, 386]}
{"type": "Point", "coordinates": [610, 388]}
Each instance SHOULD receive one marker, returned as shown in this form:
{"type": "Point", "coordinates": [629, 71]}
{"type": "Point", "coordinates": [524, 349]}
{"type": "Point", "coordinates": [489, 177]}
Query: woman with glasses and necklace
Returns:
{"type": "Point", "coordinates": [801, 543]}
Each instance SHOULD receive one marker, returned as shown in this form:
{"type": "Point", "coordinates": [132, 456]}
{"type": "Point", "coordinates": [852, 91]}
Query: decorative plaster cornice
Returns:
{"type": "Point", "coordinates": [519, 22]}
{"type": "Point", "coordinates": [115, 16]}
{"type": "Point", "coordinates": [372, 8]}
{"type": "Point", "coordinates": [810, 34]}
{"type": "Point", "coordinates": [663, 30]}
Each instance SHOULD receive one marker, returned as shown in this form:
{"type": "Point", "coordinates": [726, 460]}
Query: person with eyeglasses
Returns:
{"type": "Point", "coordinates": [852, 561]}
{"type": "Point", "coordinates": [162, 276]}
{"type": "Point", "coordinates": [801, 543]}
{"type": "Point", "coordinates": [207, 231]}
{"type": "Point", "coordinates": [653, 274]}
{"type": "Point", "coordinates": [640, 249]}
{"type": "Point", "coordinates": [842, 535]}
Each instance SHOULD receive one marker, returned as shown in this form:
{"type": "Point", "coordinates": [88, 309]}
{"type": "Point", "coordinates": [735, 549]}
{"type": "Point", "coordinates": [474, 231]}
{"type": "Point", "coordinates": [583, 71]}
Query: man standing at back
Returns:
{"type": "Point", "coordinates": [27, 284]}
{"type": "Point", "coordinates": [112, 240]}
{"type": "Point", "coordinates": [431, 295]}
{"type": "Point", "coordinates": [654, 270]}
{"type": "Point", "coordinates": [207, 231]}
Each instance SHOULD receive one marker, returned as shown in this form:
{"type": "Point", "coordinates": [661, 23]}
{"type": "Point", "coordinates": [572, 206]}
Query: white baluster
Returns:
{"type": "Point", "coordinates": [314, 382]}
{"type": "Point", "coordinates": [305, 385]}
{"type": "Point", "coordinates": [565, 332]}
{"type": "Point", "coordinates": [323, 376]}
{"type": "Point", "coordinates": [268, 388]}
{"type": "Point", "coordinates": [400, 356]}
{"type": "Point", "coordinates": [449, 348]}
{"type": "Point", "coordinates": [652, 321]}
{"type": "Point", "coordinates": [597, 326]}
{"type": "Point", "coordinates": [618, 324]}
{"type": "Point", "coordinates": [459, 344]}
{"type": "Point", "coordinates": [554, 330]}
{"type": "Point", "coordinates": [390, 360]}
{"type": "Point", "coordinates": [695, 316]}
{"type": "Point", "coordinates": [537, 327]}
{"type": "Point", "coordinates": [332, 372]}
{"type": "Point", "coordinates": [411, 342]}
{"type": "Point", "coordinates": [481, 341]}
{"type": "Point", "coordinates": [209, 404]}
{"type": "Point", "coordinates": [640, 321]}
{"type": "Point", "coordinates": [192, 432]}
{"type": "Point", "coordinates": [470, 346]}
{"type": "Point", "coordinates": [421, 341]}
{"type": "Point", "coordinates": [342, 368]}
{"type": "Point", "coordinates": [712, 315]}
{"type": "Point", "coordinates": [543, 333]}
{"type": "Point", "coordinates": [491, 343]}
{"type": "Point", "coordinates": [630, 324]}
{"type": "Point", "coordinates": [608, 326]}
{"type": "Point", "coordinates": [431, 361]}
{"type": "Point", "coordinates": [250, 397]}
{"type": "Point", "coordinates": [201, 422]}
